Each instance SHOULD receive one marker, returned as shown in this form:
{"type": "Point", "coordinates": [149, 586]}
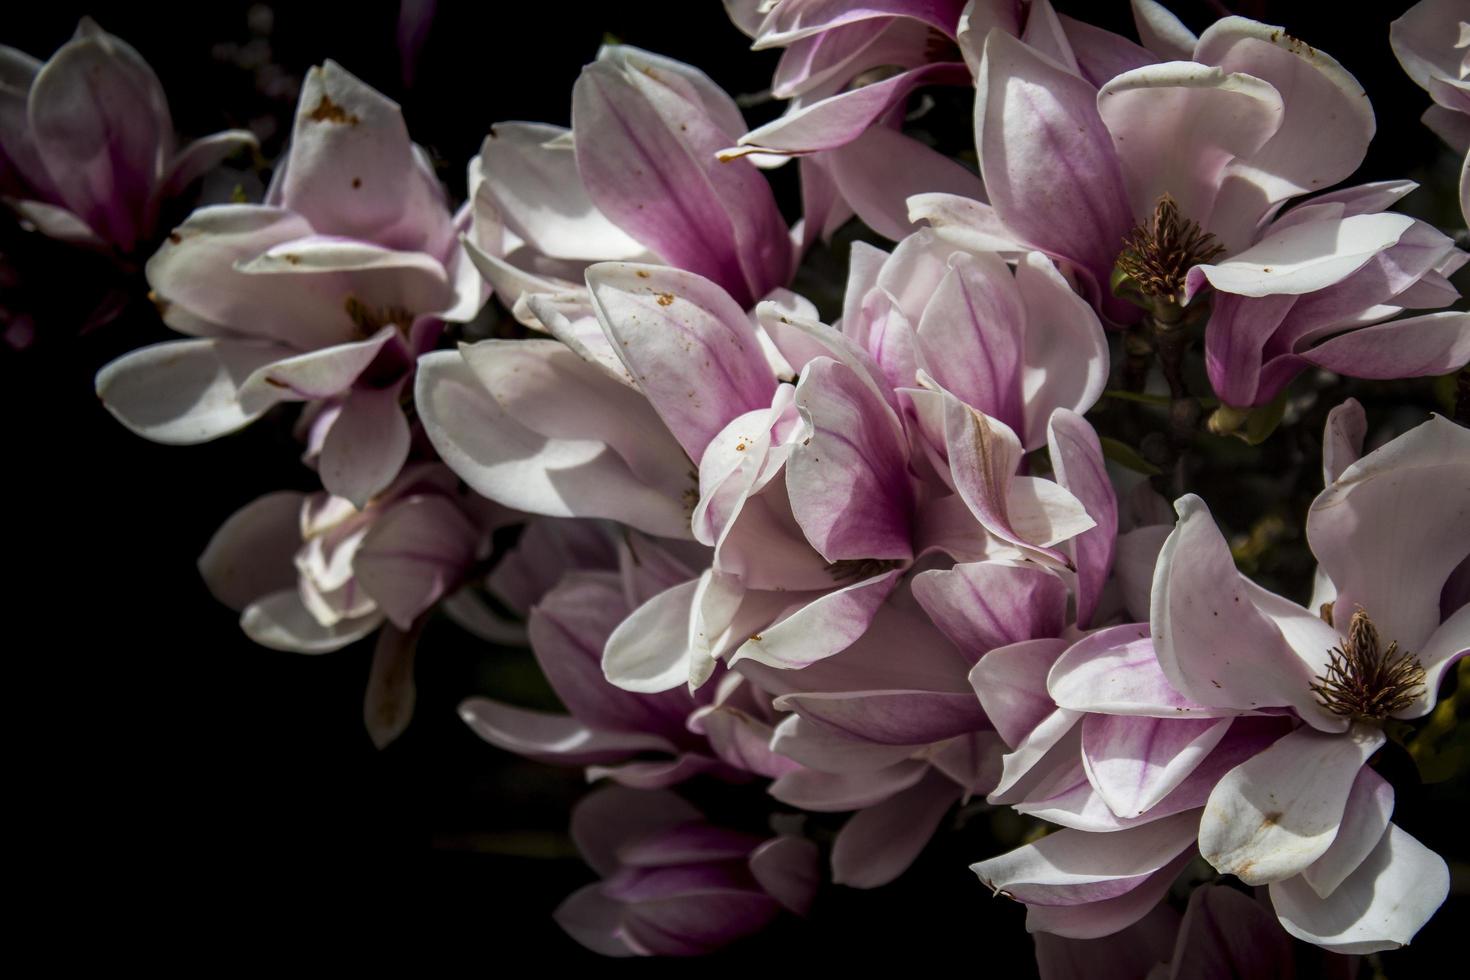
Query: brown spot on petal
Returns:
{"type": "Point", "coordinates": [642, 274]}
{"type": "Point", "coordinates": [328, 111]}
{"type": "Point", "coordinates": [356, 182]}
{"type": "Point", "coordinates": [175, 237]}
{"type": "Point", "coordinates": [272, 381]}
{"type": "Point", "coordinates": [664, 299]}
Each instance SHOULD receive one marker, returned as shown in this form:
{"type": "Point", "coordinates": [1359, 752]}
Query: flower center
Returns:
{"type": "Point", "coordinates": [1158, 253]}
{"type": "Point", "coordinates": [1365, 681]}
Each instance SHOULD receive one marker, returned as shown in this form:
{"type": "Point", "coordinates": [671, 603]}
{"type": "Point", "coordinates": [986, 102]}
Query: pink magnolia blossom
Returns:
{"type": "Point", "coordinates": [848, 70]}
{"type": "Point", "coordinates": [634, 179]}
{"type": "Point", "coordinates": [674, 884]}
{"type": "Point", "coordinates": [1432, 42]}
{"type": "Point", "coordinates": [1305, 814]}
{"type": "Point", "coordinates": [615, 733]}
{"type": "Point", "coordinates": [1095, 175]}
{"type": "Point", "coordinates": [313, 573]}
{"type": "Point", "coordinates": [87, 147]}
{"type": "Point", "coordinates": [327, 291]}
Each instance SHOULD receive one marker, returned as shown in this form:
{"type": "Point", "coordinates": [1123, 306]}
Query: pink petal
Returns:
{"type": "Point", "coordinates": [1077, 460]}
{"type": "Point", "coordinates": [880, 842]}
{"type": "Point", "coordinates": [251, 554]}
{"type": "Point", "coordinates": [984, 605]}
{"type": "Point", "coordinates": [1136, 762]}
{"type": "Point", "coordinates": [417, 552]}
{"type": "Point", "coordinates": [366, 446]}
{"type": "Point", "coordinates": [387, 707]}
{"type": "Point", "coordinates": [687, 344]}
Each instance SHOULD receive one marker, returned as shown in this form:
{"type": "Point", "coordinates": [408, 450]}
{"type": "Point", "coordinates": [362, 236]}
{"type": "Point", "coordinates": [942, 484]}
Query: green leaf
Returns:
{"type": "Point", "coordinates": [1125, 455]}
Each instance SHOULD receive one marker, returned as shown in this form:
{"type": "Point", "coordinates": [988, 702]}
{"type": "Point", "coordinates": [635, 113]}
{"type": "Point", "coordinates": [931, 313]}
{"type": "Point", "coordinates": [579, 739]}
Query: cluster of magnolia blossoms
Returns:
{"type": "Point", "coordinates": [877, 565]}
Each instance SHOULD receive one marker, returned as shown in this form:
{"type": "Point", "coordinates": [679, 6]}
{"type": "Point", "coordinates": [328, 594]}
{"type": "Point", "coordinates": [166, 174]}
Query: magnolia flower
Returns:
{"type": "Point", "coordinates": [673, 884]}
{"type": "Point", "coordinates": [846, 67]}
{"type": "Point", "coordinates": [611, 731]}
{"type": "Point", "coordinates": [1307, 815]}
{"type": "Point", "coordinates": [87, 147]}
{"type": "Point", "coordinates": [312, 573]}
{"type": "Point", "coordinates": [328, 291]}
{"type": "Point", "coordinates": [634, 179]}
{"type": "Point", "coordinates": [1168, 178]}
{"type": "Point", "coordinates": [1432, 42]}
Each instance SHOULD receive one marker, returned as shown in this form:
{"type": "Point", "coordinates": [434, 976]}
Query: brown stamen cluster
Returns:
{"type": "Point", "coordinates": [369, 320]}
{"type": "Point", "coordinates": [857, 569]}
{"type": "Point", "coordinates": [1158, 254]}
{"type": "Point", "coordinates": [1365, 682]}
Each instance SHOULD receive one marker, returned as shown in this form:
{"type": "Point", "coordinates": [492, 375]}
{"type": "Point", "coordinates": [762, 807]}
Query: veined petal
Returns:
{"type": "Point", "coordinates": [1116, 671]}
{"type": "Point", "coordinates": [1136, 762]}
{"type": "Point", "coordinates": [880, 842]}
{"type": "Point", "coordinates": [1303, 258]}
{"type": "Point", "coordinates": [984, 605]}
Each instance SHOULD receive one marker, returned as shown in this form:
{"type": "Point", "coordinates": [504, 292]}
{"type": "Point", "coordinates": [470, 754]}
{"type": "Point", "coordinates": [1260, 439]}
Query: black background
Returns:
{"type": "Point", "coordinates": [182, 790]}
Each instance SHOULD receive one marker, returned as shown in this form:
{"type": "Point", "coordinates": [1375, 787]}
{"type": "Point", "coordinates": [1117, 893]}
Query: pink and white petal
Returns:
{"type": "Point", "coordinates": [657, 773]}
{"type": "Point", "coordinates": [894, 717]}
{"type": "Point", "coordinates": [697, 918]}
{"type": "Point", "coordinates": [1102, 55]}
{"type": "Point", "coordinates": [1365, 817]}
{"type": "Point", "coordinates": [1414, 347]}
{"type": "Point", "coordinates": [646, 147]}
{"type": "Point", "coordinates": [825, 626]}
{"type": "Point", "coordinates": [366, 446]}
{"type": "Point", "coordinates": [1116, 671]}
{"type": "Point", "coordinates": [100, 121]}
{"type": "Point", "coordinates": [741, 741]}
{"type": "Point", "coordinates": [984, 605]}
{"type": "Point", "coordinates": [818, 747]}
{"type": "Point", "coordinates": [880, 842]}
{"type": "Point", "coordinates": [835, 121]}
{"type": "Point", "coordinates": [1046, 157]}
{"type": "Point", "coordinates": [596, 922]}
{"type": "Point", "coordinates": [1421, 40]}
{"type": "Point", "coordinates": [609, 819]}
{"type": "Point", "coordinates": [387, 707]}
{"type": "Point", "coordinates": [786, 867]}
{"type": "Point", "coordinates": [281, 621]}
{"type": "Point", "coordinates": [183, 392]}
{"type": "Point", "coordinates": [649, 651]}
{"type": "Point", "coordinates": [1342, 441]}
{"type": "Point", "coordinates": [1215, 116]}
{"type": "Point", "coordinates": [556, 739]}
{"type": "Point", "coordinates": [1448, 644]}
{"type": "Point", "coordinates": [1380, 906]}
{"type": "Point", "coordinates": [690, 347]}
{"type": "Point", "coordinates": [323, 373]}
{"type": "Point", "coordinates": [1305, 257]}
{"type": "Point", "coordinates": [1273, 815]}
{"type": "Point", "coordinates": [964, 223]}
{"type": "Point", "coordinates": [413, 555]}
{"type": "Point", "coordinates": [1041, 759]}
{"type": "Point", "coordinates": [378, 278]}
{"type": "Point", "coordinates": [200, 290]}
{"type": "Point", "coordinates": [880, 171]}
{"type": "Point", "coordinates": [540, 196]}
{"type": "Point", "coordinates": [58, 223]}
{"type": "Point", "coordinates": [823, 792]}
{"type": "Point", "coordinates": [352, 170]}
{"type": "Point", "coordinates": [1068, 868]}
{"type": "Point", "coordinates": [1391, 529]}
{"type": "Point", "coordinates": [1010, 682]}
{"type": "Point", "coordinates": [973, 333]}
{"type": "Point", "coordinates": [1134, 558]}
{"type": "Point", "coordinates": [848, 480]}
{"type": "Point", "coordinates": [251, 555]}
{"type": "Point", "coordinates": [505, 461]}
{"type": "Point", "coordinates": [1328, 122]}
{"type": "Point", "coordinates": [791, 22]}
{"type": "Point", "coordinates": [1163, 33]}
{"type": "Point", "coordinates": [545, 387]}
{"type": "Point", "coordinates": [1214, 646]}
{"type": "Point", "coordinates": [1077, 461]}
{"type": "Point", "coordinates": [1066, 348]}
{"type": "Point", "coordinates": [1097, 919]}
{"type": "Point", "coordinates": [1136, 762]}
{"type": "Point", "coordinates": [201, 156]}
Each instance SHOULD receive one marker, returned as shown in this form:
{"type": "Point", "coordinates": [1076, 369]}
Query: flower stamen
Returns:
{"type": "Point", "coordinates": [1158, 253]}
{"type": "Point", "coordinates": [1366, 682]}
